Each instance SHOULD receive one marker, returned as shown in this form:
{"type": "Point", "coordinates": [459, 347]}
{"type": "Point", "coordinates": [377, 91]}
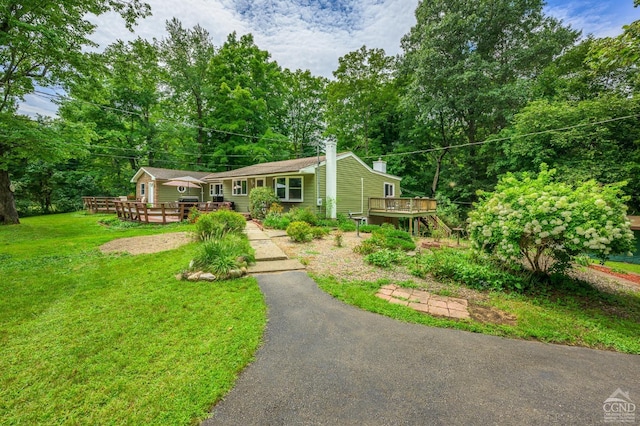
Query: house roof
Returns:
{"type": "Point", "coordinates": [157, 173]}
{"type": "Point", "coordinates": [298, 165]}
{"type": "Point", "coordinates": [274, 167]}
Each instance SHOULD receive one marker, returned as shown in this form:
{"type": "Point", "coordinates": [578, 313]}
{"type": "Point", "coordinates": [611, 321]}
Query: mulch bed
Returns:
{"type": "Point", "coordinates": [626, 276]}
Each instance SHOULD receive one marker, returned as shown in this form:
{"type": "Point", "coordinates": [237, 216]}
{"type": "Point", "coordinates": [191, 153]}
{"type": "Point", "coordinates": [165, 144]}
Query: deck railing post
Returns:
{"type": "Point", "coordinates": [164, 218]}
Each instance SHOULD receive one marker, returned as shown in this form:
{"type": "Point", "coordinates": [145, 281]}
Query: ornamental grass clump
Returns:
{"type": "Point", "coordinates": [218, 224]}
{"type": "Point", "coordinates": [222, 255]}
{"type": "Point", "coordinates": [546, 224]}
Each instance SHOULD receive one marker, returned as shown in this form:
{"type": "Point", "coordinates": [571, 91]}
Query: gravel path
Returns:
{"type": "Point", "coordinates": [147, 244]}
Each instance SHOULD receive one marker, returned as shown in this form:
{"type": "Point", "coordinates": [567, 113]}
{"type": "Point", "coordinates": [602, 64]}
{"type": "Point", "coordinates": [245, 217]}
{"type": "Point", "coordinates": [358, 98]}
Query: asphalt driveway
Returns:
{"type": "Point", "coordinates": [327, 363]}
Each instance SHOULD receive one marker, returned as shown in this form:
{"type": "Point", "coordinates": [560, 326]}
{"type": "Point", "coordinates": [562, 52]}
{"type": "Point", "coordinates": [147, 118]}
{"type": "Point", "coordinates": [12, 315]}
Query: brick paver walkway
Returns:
{"type": "Point", "coordinates": [423, 301]}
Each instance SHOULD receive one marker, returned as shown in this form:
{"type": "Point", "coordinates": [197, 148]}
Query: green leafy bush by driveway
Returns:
{"type": "Point", "coordinates": [469, 269]}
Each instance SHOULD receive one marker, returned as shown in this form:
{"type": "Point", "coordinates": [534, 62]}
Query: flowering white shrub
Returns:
{"type": "Point", "coordinates": [547, 223]}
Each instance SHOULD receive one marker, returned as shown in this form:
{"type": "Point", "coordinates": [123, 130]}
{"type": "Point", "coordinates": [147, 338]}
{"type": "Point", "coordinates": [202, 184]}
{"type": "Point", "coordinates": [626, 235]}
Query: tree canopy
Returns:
{"type": "Point", "coordinates": [481, 89]}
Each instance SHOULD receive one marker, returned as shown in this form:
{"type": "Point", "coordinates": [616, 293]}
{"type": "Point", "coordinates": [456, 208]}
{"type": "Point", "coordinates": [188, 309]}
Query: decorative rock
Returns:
{"type": "Point", "coordinates": [195, 276]}
{"type": "Point", "coordinates": [235, 273]}
{"type": "Point", "coordinates": [207, 276]}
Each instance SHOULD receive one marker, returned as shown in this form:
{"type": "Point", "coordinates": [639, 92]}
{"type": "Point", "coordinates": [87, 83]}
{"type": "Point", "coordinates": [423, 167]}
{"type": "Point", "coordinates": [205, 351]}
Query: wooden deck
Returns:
{"type": "Point", "coordinates": [402, 207]}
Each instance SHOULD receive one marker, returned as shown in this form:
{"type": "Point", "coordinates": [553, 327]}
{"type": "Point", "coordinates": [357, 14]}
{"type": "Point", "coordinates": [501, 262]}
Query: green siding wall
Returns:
{"type": "Point", "coordinates": [242, 202]}
{"type": "Point", "coordinates": [352, 178]}
{"type": "Point", "coordinates": [170, 194]}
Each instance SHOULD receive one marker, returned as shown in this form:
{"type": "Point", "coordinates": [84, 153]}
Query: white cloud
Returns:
{"type": "Point", "coordinates": [313, 34]}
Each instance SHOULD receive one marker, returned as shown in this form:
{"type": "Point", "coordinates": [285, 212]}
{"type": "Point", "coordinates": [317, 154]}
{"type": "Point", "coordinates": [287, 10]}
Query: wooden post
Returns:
{"type": "Point", "coordinates": [164, 218]}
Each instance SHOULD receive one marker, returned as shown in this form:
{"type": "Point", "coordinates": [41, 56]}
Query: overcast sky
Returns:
{"type": "Point", "coordinates": [313, 34]}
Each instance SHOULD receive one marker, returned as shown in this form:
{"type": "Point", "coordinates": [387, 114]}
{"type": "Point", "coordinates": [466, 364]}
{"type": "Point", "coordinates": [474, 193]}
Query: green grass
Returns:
{"type": "Point", "coordinates": [90, 338]}
{"type": "Point", "coordinates": [625, 267]}
{"type": "Point", "coordinates": [572, 313]}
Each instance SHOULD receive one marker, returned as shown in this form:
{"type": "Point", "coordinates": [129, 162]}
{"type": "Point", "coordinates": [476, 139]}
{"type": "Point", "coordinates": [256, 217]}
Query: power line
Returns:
{"type": "Point", "coordinates": [50, 96]}
{"type": "Point", "coordinates": [541, 132]}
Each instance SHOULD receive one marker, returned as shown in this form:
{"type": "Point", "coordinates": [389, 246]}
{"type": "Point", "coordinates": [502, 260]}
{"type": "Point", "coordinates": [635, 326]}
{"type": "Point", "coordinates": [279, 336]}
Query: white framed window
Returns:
{"type": "Point", "coordinates": [259, 183]}
{"type": "Point", "coordinates": [182, 189]}
{"type": "Point", "coordinates": [289, 188]}
{"type": "Point", "coordinates": [389, 189]}
{"type": "Point", "coordinates": [215, 190]}
{"type": "Point", "coordinates": [143, 189]}
{"type": "Point", "coordinates": [239, 187]}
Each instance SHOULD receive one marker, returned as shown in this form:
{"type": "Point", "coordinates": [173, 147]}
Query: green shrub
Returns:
{"type": "Point", "coordinates": [349, 226]}
{"type": "Point", "coordinates": [300, 231]}
{"type": "Point", "coordinates": [535, 218]}
{"type": "Point", "coordinates": [328, 223]}
{"type": "Point", "coordinates": [276, 220]}
{"type": "Point", "coordinates": [394, 239]}
{"type": "Point", "coordinates": [261, 201]}
{"type": "Point", "coordinates": [303, 215]}
{"type": "Point", "coordinates": [219, 223]}
{"type": "Point", "coordinates": [194, 215]}
{"type": "Point", "coordinates": [384, 258]}
{"type": "Point", "coordinates": [366, 247]}
{"type": "Point", "coordinates": [319, 232]}
{"type": "Point", "coordinates": [367, 229]}
{"type": "Point", "coordinates": [221, 255]}
{"type": "Point", "coordinates": [469, 269]}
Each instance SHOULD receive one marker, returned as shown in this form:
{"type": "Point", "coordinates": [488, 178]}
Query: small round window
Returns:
{"type": "Point", "coordinates": [182, 189]}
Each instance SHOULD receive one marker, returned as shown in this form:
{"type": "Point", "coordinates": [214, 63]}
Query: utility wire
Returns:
{"type": "Point", "coordinates": [541, 132]}
{"type": "Point", "coordinates": [395, 154]}
{"type": "Point", "coordinates": [50, 96]}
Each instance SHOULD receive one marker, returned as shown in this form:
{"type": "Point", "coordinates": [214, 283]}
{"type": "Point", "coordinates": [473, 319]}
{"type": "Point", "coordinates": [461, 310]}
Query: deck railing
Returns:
{"type": "Point", "coordinates": [162, 212]}
{"type": "Point", "coordinates": [402, 205]}
{"type": "Point", "coordinates": [100, 204]}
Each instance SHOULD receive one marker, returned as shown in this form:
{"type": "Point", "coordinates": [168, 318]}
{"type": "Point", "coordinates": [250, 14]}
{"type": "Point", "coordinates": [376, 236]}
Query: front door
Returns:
{"type": "Point", "coordinates": [152, 187]}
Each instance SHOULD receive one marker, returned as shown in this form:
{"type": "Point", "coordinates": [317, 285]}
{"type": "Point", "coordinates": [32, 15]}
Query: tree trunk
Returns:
{"type": "Point", "coordinates": [8, 212]}
{"type": "Point", "coordinates": [436, 176]}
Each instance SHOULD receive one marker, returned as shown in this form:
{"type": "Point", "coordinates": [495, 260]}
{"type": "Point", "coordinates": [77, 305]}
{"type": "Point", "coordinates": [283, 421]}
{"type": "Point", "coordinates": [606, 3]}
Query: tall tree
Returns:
{"type": "Point", "coordinates": [185, 55]}
{"type": "Point", "coordinates": [41, 43]}
{"type": "Point", "coordinates": [246, 98]}
{"type": "Point", "coordinates": [119, 99]}
{"type": "Point", "coordinates": [469, 66]}
{"type": "Point", "coordinates": [361, 100]}
{"type": "Point", "coordinates": [304, 105]}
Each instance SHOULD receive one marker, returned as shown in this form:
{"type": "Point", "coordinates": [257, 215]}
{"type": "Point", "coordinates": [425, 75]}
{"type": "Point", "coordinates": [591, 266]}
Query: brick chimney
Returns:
{"type": "Point", "coordinates": [380, 165]}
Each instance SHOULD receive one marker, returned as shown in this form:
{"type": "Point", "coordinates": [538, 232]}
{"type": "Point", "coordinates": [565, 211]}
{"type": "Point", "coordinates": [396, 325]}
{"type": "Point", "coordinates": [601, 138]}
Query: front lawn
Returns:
{"type": "Point", "coordinates": [91, 338]}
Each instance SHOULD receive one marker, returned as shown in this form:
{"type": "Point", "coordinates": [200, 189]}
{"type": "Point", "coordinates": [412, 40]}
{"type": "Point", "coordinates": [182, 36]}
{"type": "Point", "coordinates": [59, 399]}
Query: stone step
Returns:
{"type": "Point", "coordinates": [275, 266]}
{"type": "Point", "coordinates": [267, 250]}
